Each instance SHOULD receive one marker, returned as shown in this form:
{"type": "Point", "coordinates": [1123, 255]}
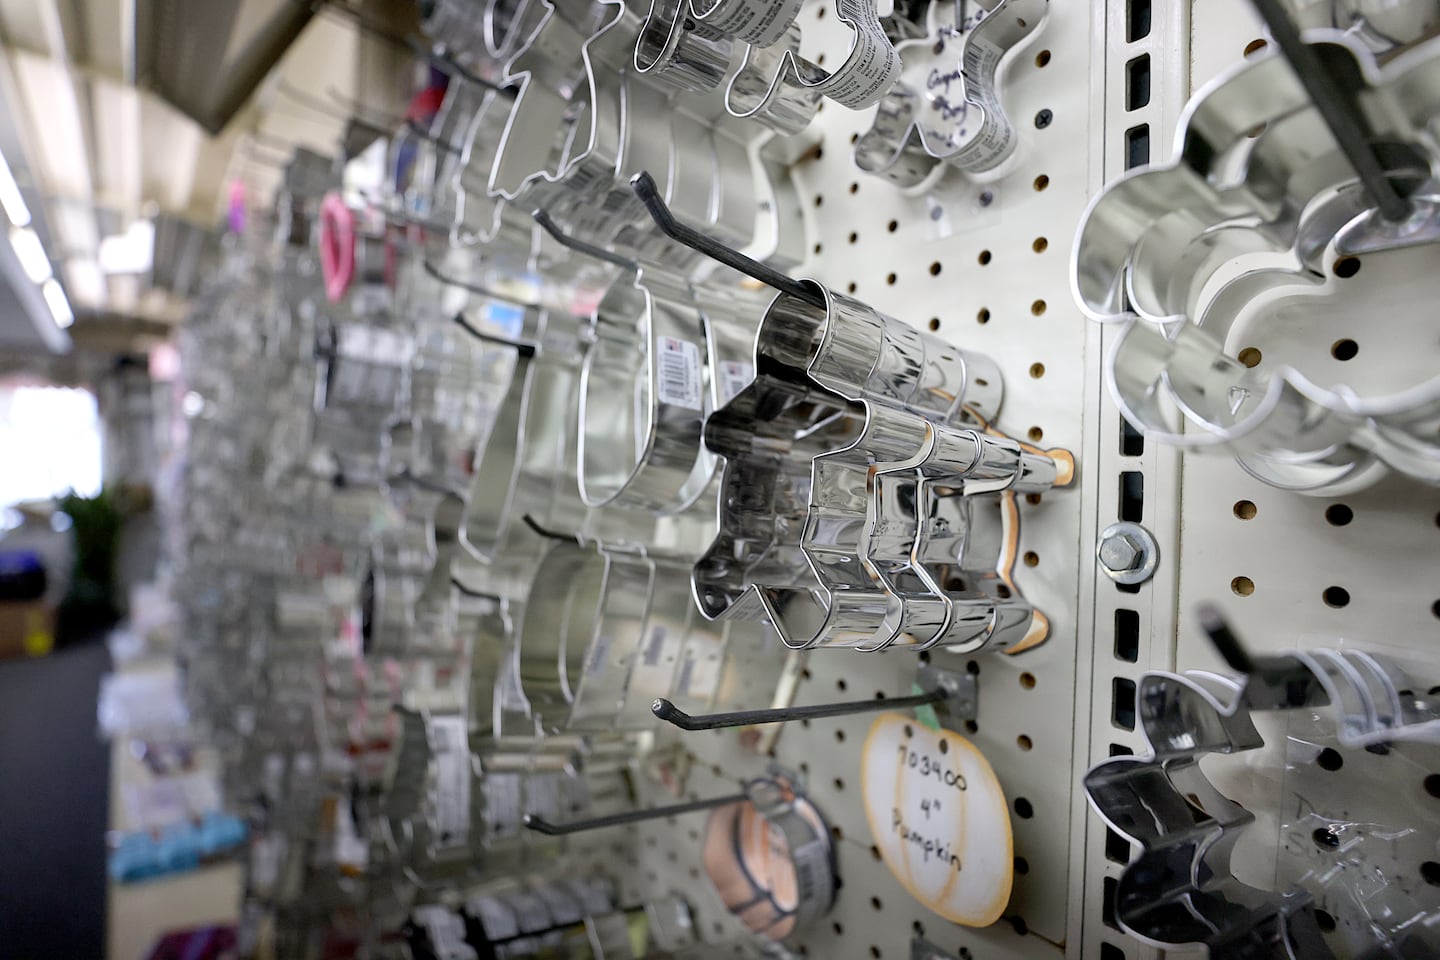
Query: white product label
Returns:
{"type": "Point", "coordinates": [939, 818]}
{"type": "Point", "coordinates": [655, 647]}
{"type": "Point", "coordinates": [599, 656]}
{"type": "Point", "coordinates": [873, 65]}
{"type": "Point", "coordinates": [502, 802]}
{"type": "Point", "coordinates": [451, 792]}
{"type": "Point", "coordinates": [447, 933]}
{"type": "Point", "coordinates": [734, 377]}
{"type": "Point", "coordinates": [495, 917]}
{"type": "Point", "coordinates": [677, 372]}
{"type": "Point", "coordinates": [758, 22]}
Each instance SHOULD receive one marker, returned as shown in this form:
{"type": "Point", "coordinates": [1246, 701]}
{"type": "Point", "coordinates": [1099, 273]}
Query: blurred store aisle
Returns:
{"type": "Point", "coordinates": [54, 794]}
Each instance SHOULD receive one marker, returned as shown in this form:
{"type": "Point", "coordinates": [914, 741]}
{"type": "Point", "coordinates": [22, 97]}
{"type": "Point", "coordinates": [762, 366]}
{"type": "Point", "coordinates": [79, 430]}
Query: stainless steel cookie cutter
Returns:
{"type": "Point", "coordinates": [690, 44]}
{"type": "Point", "coordinates": [1180, 890]}
{"type": "Point", "coordinates": [1231, 233]}
{"type": "Point", "coordinates": [782, 90]}
{"type": "Point", "coordinates": [946, 108]}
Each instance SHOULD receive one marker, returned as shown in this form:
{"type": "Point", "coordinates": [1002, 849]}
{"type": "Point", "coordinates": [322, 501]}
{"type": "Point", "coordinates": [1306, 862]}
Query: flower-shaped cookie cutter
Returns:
{"type": "Point", "coordinates": [946, 109]}
{"type": "Point", "coordinates": [689, 44]}
{"type": "Point", "coordinates": [1257, 202]}
{"type": "Point", "coordinates": [777, 87]}
{"type": "Point", "coordinates": [1180, 890]}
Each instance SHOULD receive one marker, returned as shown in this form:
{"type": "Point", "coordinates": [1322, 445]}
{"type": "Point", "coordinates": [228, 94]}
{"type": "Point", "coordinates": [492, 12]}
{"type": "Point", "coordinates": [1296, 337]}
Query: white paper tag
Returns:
{"type": "Point", "coordinates": [446, 931]}
{"type": "Point", "coordinates": [939, 818]}
{"type": "Point", "coordinates": [497, 919]}
{"type": "Point", "coordinates": [734, 377]}
{"type": "Point", "coordinates": [450, 795]}
{"type": "Point", "coordinates": [677, 373]}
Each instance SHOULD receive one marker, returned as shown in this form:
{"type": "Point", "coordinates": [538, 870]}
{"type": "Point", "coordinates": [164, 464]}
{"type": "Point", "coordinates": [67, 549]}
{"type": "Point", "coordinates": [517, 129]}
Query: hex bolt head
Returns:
{"type": "Point", "coordinates": [1127, 553]}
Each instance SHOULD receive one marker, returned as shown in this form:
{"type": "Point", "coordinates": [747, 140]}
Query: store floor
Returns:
{"type": "Point", "coordinates": [54, 793]}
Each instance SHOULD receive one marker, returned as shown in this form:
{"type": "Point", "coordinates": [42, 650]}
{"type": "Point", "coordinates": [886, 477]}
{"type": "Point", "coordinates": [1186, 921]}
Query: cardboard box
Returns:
{"type": "Point", "coordinates": [27, 629]}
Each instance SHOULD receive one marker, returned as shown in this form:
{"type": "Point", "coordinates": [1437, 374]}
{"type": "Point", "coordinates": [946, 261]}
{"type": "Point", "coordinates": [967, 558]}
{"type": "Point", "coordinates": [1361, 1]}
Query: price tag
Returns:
{"type": "Point", "coordinates": [939, 817]}
{"type": "Point", "coordinates": [451, 790]}
{"type": "Point", "coordinates": [677, 372]}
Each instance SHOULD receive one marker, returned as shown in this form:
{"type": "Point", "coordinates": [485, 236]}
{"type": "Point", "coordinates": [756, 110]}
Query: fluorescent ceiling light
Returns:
{"type": "Point", "coordinates": [10, 197]}
{"type": "Point", "coordinates": [59, 306]}
{"type": "Point", "coordinates": [31, 253]}
{"type": "Point", "coordinates": [130, 252]}
{"type": "Point", "coordinates": [85, 281]}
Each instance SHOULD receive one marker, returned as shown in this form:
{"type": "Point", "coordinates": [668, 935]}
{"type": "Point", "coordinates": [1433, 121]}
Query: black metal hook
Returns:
{"type": "Point", "coordinates": [645, 188]}
{"type": "Point", "coordinates": [541, 825]}
{"type": "Point", "coordinates": [542, 217]}
{"type": "Point", "coordinates": [1231, 650]}
{"type": "Point", "coordinates": [530, 522]}
{"type": "Point", "coordinates": [471, 592]}
{"type": "Point", "coordinates": [667, 711]}
{"type": "Point", "coordinates": [1339, 108]}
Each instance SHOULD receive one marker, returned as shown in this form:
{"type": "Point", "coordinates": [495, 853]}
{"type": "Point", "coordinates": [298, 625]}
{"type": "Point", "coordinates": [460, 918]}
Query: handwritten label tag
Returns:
{"type": "Point", "coordinates": [939, 818]}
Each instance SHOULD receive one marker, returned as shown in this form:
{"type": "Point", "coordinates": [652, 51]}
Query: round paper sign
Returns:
{"type": "Point", "coordinates": [939, 818]}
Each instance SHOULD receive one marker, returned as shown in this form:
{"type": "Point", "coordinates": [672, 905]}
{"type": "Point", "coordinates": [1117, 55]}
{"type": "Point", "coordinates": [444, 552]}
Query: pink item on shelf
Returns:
{"type": "Point", "coordinates": [337, 246]}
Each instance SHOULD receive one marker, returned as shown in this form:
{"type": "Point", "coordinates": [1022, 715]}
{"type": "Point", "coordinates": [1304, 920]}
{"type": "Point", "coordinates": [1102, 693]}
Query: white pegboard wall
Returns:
{"type": "Point", "coordinates": [985, 266]}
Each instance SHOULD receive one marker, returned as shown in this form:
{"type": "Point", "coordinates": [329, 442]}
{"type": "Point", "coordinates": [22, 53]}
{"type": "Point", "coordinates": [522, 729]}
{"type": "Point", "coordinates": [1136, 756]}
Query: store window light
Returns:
{"type": "Point", "coordinates": [10, 197]}
{"type": "Point", "coordinates": [31, 254]}
{"type": "Point", "coordinates": [58, 304]}
{"type": "Point", "coordinates": [130, 252]}
{"type": "Point", "coordinates": [36, 466]}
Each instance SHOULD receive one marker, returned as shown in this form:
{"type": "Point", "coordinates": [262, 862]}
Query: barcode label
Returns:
{"type": "Point", "coordinates": [451, 760]}
{"type": "Point", "coordinates": [599, 656]}
{"type": "Point", "coordinates": [677, 372]}
{"type": "Point", "coordinates": [687, 673]}
{"type": "Point", "coordinates": [734, 377]}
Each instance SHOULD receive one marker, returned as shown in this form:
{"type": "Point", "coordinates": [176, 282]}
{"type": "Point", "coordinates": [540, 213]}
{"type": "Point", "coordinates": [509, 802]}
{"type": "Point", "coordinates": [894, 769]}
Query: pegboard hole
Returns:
{"type": "Point", "coordinates": [1242, 586]}
{"type": "Point", "coordinates": [890, 279]}
{"type": "Point", "coordinates": [984, 257]}
{"type": "Point", "coordinates": [1037, 370]}
{"type": "Point", "coordinates": [841, 685]}
{"type": "Point", "coordinates": [1033, 499]}
{"type": "Point", "coordinates": [1432, 785]}
{"type": "Point", "coordinates": [875, 951]}
{"type": "Point", "coordinates": [935, 269]}
{"type": "Point", "coordinates": [1024, 742]}
{"type": "Point", "coordinates": [876, 904]}
{"type": "Point", "coordinates": [875, 853]}
{"type": "Point", "coordinates": [1346, 267]}
{"type": "Point", "coordinates": [853, 236]}
{"type": "Point", "coordinates": [850, 287]}
{"type": "Point", "coordinates": [1038, 308]}
{"type": "Point", "coordinates": [917, 928]}
{"type": "Point", "coordinates": [839, 736]}
{"type": "Point", "coordinates": [839, 928]}
{"type": "Point", "coordinates": [1435, 608]}
{"type": "Point", "coordinates": [819, 199]}
{"type": "Point", "coordinates": [1344, 349]}
{"type": "Point", "coordinates": [892, 226]}
{"type": "Point", "coordinates": [1023, 808]}
{"type": "Point", "coordinates": [1041, 182]}
{"type": "Point", "coordinates": [1324, 921]}
{"type": "Point", "coordinates": [839, 784]}
{"type": "Point", "coordinates": [854, 187]}
{"type": "Point", "coordinates": [1338, 515]}
{"type": "Point", "coordinates": [1330, 759]}
{"type": "Point", "coordinates": [854, 137]}
{"type": "Point", "coordinates": [972, 667]}
{"type": "Point", "coordinates": [1336, 597]}
{"type": "Point", "coordinates": [1250, 356]}
{"type": "Point", "coordinates": [819, 247]}
{"type": "Point", "coordinates": [1035, 434]}
{"type": "Point", "coordinates": [1022, 866]}
{"type": "Point", "coordinates": [1042, 59]}
{"type": "Point", "coordinates": [1254, 47]}
{"type": "Point", "coordinates": [984, 317]}
{"type": "Point", "coordinates": [971, 727]}
{"type": "Point", "coordinates": [934, 324]}
{"type": "Point", "coordinates": [1244, 509]}
{"type": "Point", "coordinates": [1032, 559]}
{"type": "Point", "coordinates": [837, 833]}
{"type": "Point", "coordinates": [1040, 245]}
{"type": "Point", "coordinates": [1019, 925]}
{"type": "Point", "coordinates": [1430, 872]}
{"type": "Point", "coordinates": [1027, 680]}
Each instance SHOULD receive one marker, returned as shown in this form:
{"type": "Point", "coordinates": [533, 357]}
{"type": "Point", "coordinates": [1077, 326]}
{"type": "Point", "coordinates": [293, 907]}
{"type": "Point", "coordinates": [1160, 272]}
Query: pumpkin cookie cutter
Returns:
{"type": "Point", "coordinates": [946, 108]}
{"type": "Point", "coordinates": [1180, 890]}
{"type": "Point", "coordinates": [1258, 200]}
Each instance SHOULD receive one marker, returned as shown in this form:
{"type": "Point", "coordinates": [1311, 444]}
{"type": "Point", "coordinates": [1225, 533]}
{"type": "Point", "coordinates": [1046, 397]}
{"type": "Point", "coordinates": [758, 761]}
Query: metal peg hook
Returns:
{"type": "Point", "coordinates": [542, 217]}
{"type": "Point", "coordinates": [1231, 650]}
{"type": "Point", "coordinates": [644, 187]}
{"type": "Point", "coordinates": [534, 525]}
{"type": "Point", "coordinates": [943, 686]}
{"type": "Point", "coordinates": [541, 825]}
{"type": "Point", "coordinates": [1339, 109]}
